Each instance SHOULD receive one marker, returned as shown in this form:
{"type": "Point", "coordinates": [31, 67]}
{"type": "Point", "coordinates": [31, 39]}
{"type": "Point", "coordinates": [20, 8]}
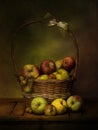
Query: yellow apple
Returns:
{"type": "Point", "coordinates": [43, 77]}
{"type": "Point", "coordinates": [61, 74]}
{"type": "Point", "coordinates": [58, 64]}
{"type": "Point", "coordinates": [60, 105]}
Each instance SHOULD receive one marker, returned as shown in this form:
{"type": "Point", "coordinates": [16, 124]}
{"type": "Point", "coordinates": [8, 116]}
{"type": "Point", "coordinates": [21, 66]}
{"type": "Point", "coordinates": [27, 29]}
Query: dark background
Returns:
{"type": "Point", "coordinates": [82, 16]}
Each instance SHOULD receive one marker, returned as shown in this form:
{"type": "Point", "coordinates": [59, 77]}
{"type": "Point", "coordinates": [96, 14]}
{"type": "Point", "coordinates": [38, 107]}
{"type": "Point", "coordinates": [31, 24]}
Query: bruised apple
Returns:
{"type": "Point", "coordinates": [30, 71]}
{"type": "Point", "coordinates": [47, 67]}
{"type": "Point", "coordinates": [50, 110]}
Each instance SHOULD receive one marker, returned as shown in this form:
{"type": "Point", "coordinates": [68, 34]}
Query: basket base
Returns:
{"type": "Point", "coordinates": [49, 97]}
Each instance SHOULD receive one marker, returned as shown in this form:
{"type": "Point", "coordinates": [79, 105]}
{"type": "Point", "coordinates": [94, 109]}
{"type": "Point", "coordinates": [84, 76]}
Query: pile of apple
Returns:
{"type": "Point", "coordinates": [48, 69]}
{"type": "Point", "coordinates": [40, 105]}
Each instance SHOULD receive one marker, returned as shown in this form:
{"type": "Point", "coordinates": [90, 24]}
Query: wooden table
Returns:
{"type": "Point", "coordinates": [14, 116]}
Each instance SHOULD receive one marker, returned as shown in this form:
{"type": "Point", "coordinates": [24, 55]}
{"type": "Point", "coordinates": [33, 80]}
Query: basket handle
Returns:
{"type": "Point", "coordinates": [15, 67]}
{"type": "Point", "coordinates": [77, 52]}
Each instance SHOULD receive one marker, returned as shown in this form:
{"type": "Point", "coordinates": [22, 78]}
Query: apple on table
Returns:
{"type": "Point", "coordinates": [50, 110]}
{"type": "Point", "coordinates": [74, 103]}
{"type": "Point", "coordinates": [60, 104]}
{"type": "Point", "coordinates": [38, 105]}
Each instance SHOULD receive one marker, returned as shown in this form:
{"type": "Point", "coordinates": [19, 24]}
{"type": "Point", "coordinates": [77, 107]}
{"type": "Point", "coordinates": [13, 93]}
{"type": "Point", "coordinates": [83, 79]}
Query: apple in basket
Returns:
{"type": "Point", "coordinates": [74, 102]}
{"type": "Point", "coordinates": [61, 74]}
{"type": "Point", "coordinates": [50, 110]}
{"type": "Point", "coordinates": [60, 104]}
{"type": "Point", "coordinates": [22, 80]}
{"type": "Point", "coordinates": [58, 64]}
{"type": "Point", "coordinates": [30, 71]}
{"type": "Point", "coordinates": [42, 77]}
{"type": "Point", "coordinates": [27, 89]}
{"type": "Point", "coordinates": [68, 63]}
{"type": "Point", "coordinates": [52, 76]}
{"type": "Point", "coordinates": [38, 105]}
{"type": "Point", "coordinates": [47, 66]}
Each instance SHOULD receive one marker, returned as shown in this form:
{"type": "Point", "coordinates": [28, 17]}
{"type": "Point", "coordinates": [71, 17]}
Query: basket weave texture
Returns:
{"type": "Point", "coordinates": [50, 89]}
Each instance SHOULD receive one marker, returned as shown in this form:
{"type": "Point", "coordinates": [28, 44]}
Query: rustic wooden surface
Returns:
{"type": "Point", "coordinates": [14, 110]}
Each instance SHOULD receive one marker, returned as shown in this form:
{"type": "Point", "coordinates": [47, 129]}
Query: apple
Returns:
{"type": "Point", "coordinates": [27, 89]}
{"type": "Point", "coordinates": [47, 66]}
{"type": "Point", "coordinates": [61, 74]}
{"type": "Point", "coordinates": [52, 76]}
{"type": "Point", "coordinates": [60, 104]}
{"type": "Point", "coordinates": [28, 110]}
{"type": "Point", "coordinates": [30, 71]}
{"type": "Point", "coordinates": [58, 64]}
{"type": "Point", "coordinates": [74, 102]}
{"type": "Point", "coordinates": [50, 110]}
{"type": "Point", "coordinates": [38, 105]}
{"type": "Point", "coordinates": [68, 63]}
{"type": "Point", "coordinates": [22, 80]}
{"type": "Point", "coordinates": [42, 77]}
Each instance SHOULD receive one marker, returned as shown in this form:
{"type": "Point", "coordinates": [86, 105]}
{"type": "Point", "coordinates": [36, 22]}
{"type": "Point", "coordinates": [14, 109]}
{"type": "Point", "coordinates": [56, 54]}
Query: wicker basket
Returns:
{"type": "Point", "coordinates": [49, 89]}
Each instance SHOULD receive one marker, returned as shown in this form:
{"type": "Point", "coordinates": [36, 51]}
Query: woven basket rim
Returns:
{"type": "Point", "coordinates": [52, 80]}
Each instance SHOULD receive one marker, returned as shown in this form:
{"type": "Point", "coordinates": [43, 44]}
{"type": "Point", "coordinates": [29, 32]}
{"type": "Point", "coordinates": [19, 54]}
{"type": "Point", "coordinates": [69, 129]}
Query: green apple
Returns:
{"type": "Point", "coordinates": [50, 110]}
{"type": "Point", "coordinates": [38, 105]}
{"type": "Point", "coordinates": [43, 77]}
{"type": "Point", "coordinates": [62, 74]}
{"type": "Point", "coordinates": [74, 102]}
{"type": "Point", "coordinates": [58, 64]}
{"type": "Point", "coordinates": [60, 104]}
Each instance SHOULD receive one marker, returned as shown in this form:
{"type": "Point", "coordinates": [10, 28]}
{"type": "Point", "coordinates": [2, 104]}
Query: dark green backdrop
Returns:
{"type": "Point", "coordinates": [82, 16]}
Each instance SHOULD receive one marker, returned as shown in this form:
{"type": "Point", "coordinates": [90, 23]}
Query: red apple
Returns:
{"type": "Point", "coordinates": [52, 76]}
{"type": "Point", "coordinates": [68, 63]}
{"type": "Point", "coordinates": [47, 67]}
{"type": "Point", "coordinates": [30, 71]}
